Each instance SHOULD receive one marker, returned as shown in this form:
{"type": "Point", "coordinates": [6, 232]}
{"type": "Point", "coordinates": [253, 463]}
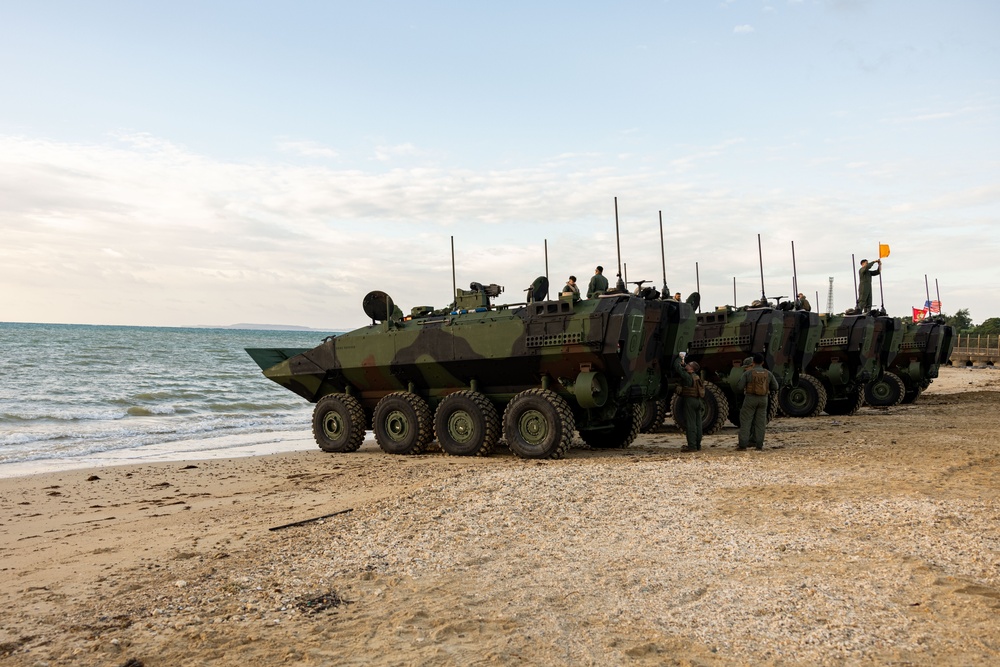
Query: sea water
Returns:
{"type": "Point", "coordinates": [74, 391]}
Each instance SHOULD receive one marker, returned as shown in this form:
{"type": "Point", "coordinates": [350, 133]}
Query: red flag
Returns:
{"type": "Point", "coordinates": [919, 314]}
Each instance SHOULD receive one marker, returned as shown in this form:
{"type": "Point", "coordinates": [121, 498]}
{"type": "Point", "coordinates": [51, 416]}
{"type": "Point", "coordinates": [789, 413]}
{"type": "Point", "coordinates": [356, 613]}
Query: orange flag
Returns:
{"type": "Point", "coordinates": [883, 250]}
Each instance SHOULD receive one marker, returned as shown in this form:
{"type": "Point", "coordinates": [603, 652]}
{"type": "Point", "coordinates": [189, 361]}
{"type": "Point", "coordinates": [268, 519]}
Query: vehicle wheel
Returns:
{"type": "Point", "coordinates": [467, 424]}
{"type": "Point", "coordinates": [807, 399]}
{"type": "Point", "coordinates": [846, 406]}
{"type": "Point", "coordinates": [538, 424]}
{"type": "Point", "coordinates": [772, 406]}
{"type": "Point", "coordinates": [339, 423]}
{"type": "Point", "coordinates": [913, 394]}
{"type": "Point", "coordinates": [403, 423]}
{"type": "Point", "coordinates": [886, 392]}
{"type": "Point", "coordinates": [623, 432]}
{"type": "Point", "coordinates": [716, 410]}
{"type": "Point", "coordinates": [651, 414]}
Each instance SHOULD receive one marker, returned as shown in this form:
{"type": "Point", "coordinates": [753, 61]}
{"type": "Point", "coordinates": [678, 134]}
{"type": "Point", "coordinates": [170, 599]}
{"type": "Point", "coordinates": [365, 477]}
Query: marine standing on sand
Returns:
{"type": "Point", "coordinates": [572, 288]}
{"type": "Point", "coordinates": [865, 274]}
{"type": "Point", "coordinates": [598, 283]}
{"type": "Point", "coordinates": [757, 383]}
{"type": "Point", "coordinates": [692, 402]}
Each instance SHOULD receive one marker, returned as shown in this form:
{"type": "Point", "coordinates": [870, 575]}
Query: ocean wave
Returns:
{"type": "Point", "coordinates": [152, 411]}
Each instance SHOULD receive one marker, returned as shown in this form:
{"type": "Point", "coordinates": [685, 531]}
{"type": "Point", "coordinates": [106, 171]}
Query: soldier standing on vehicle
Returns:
{"type": "Point", "coordinates": [598, 283]}
{"type": "Point", "coordinates": [571, 288]}
{"type": "Point", "coordinates": [802, 303]}
{"type": "Point", "coordinates": [691, 403]}
{"type": "Point", "coordinates": [865, 274]}
{"type": "Point", "coordinates": [757, 383]}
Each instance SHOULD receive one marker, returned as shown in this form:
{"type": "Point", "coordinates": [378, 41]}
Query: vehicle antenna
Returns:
{"type": "Point", "coordinates": [618, 243]}
{"type": "Point", "coordinates": [760, 257]}
{"type": "Point", "coordinates": [855, 274]}
{"type": "Point", "coordinates": [697, 284]}
{"type": "Point", "coordinates": [546, 269]}
{"type": "Point", "coordinates": [881, 290]}
{"type": "Point", "coordinates": [927, 287]}
{"type": "Point", "coordinates": [938, 291]}
{"type": "Point", "coordinates": [663, 257]}
{"type": "Point", "coordinates": [454, 285]}
{"type": "Point", "coordinates": [626, 272]}
{"type": "Point", "coordinates": [795, 275]}
{"type": "Point", "coordinates": [734, 291]}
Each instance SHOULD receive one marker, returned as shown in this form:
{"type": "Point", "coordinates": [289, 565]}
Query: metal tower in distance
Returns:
{"type": "Point", "coordinates": [829, 298]}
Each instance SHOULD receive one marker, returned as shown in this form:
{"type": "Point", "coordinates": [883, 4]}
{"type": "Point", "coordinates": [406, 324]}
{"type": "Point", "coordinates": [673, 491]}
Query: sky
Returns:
{"type": "Point", "coordinates": [212, 162]}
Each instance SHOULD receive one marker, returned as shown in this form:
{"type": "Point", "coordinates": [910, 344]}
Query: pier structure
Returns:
{"type": "Point", "coordinates": [975, 350]}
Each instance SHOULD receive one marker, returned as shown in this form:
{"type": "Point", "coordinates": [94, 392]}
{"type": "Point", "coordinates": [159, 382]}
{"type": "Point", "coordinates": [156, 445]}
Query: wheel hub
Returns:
{"type": "Point", "coordinates": [460, 426]}
{"type": "Point", "coordinates": [397, 426]}
{"type": "Point", "coordinates": [333, 426]}
{"type": "Point", "coordinates": [798, 397]}
{"type": "Point", "coordinates": [881, 391]}
{"type": "Point", "coordinates": [533, 427]}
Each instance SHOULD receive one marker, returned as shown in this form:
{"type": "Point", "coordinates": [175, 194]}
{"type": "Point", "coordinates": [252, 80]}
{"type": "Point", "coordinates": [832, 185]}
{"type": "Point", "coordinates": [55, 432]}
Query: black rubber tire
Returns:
{"type": "Point", "coordinates": [807, 399]}
{"type": "Point", "coordinates": [914, 393]}
{"type": "Point", "coordinates": [338, 423]}
{"type": "Point", "coordinates": [652, 412]}
{"type": "Point", "coordinates": [716, 410]}
{"type": "Point", "coordinates": [886, 392]}
{"type": "Point", "coordinates": [538, 424]}
{"type": "Point", "coordinates": [772, 406]}
{"type": "Point", "coordinates": [403, 423]}
{"type": "Point", "coordinates": [846, 406]}
{"type": "Point", "coordinates": [622, 434]}
{"type": "Point", "coordinates": [467, 424]}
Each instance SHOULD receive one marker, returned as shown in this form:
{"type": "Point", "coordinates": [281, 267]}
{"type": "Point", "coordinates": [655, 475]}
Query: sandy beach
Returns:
{"type": "Point", "coordinates": [869, 539]}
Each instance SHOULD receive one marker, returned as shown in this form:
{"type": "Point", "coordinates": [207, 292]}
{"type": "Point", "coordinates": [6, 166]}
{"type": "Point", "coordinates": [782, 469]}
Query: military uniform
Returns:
{"type": "Point", "coordinates": [691, 405]}
{"type": "Point", "coordinates": [598, 285]}
{"type": "Point", "coordinates": [753, 414]}
{"type": "Point", "coordinates": [865, 274]}
{"type": "Point", "coordinates": [572, 288]}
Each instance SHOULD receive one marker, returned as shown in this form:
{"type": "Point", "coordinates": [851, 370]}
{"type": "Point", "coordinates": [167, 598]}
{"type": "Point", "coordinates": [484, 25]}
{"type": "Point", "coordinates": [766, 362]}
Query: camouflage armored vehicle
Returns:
{"type": "Point", "coordinates": [886, 389]}
{"type": "Point", "coordinates": [924, 347]}
{"type": "Point", "coordinates": [846, 358]}
{"type": "Point", "coordinates": [725, 338]}
{"type": "Point", "coordinates": [534, 373]}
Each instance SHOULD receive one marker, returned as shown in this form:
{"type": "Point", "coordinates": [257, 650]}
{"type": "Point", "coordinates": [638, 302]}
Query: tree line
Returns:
{"type": "Point", "coordinates": [963, 324]}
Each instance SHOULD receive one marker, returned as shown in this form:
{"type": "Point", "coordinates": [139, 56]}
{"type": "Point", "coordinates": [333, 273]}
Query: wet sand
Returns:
{"type": "Point", "coordinates": [868, 539]}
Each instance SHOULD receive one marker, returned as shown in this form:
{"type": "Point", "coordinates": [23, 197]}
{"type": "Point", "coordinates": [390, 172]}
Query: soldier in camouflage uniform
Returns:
{"type": "Point", "coordinates": [757, 383]}
{"type": "Point", "coordinates": [865, 274]}
{"type": "Point", "coordinates": [598, 283]}
{"type": "Point", "coordinates": [692, 403]}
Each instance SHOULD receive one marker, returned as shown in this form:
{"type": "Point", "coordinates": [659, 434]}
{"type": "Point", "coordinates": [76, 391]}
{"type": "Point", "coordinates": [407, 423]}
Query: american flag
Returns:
{"type": "Point", "coordinates": [933, 306]}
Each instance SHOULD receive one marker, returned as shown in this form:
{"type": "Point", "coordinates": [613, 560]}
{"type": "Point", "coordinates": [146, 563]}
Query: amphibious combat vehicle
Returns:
{"type": "Point", "coordinates": [924, 347]}
{"type": "Point", "coordinates": [725, 338]}
{"type": "Point", "coordinates": [534, 373]}
{"type": "Point", "coordinates": [846, 359]}
{"type": "Point", "coordinates": [886, 389]}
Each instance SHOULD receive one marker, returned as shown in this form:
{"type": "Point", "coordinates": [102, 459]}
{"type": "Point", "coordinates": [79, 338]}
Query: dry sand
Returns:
{"type": "Point", "coordinates": [870, 539]}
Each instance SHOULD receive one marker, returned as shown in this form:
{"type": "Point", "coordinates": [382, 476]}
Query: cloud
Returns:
{"type": "Point", "coordinates": [743, 29]}
{"type": "Point", "coordinates": [309, 149]}
{"type": "Point", "coordinates": [143, 231]}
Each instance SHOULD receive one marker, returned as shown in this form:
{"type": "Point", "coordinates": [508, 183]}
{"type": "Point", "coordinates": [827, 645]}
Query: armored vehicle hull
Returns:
{"type": "Point", "coordinates": [924, 347]}
{"type": "Point", "coordinates": [846, 358]}
{"type": "Point", "coordinates": [725, 338]}
{"type": "Point", "coordinates": [887, 389]}
{"type": "Point", "coordinates": [532, 373]}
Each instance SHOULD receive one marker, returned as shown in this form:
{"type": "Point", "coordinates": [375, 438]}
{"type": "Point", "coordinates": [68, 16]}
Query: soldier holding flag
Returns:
{"type": "Point", "coordinates": [865, 274]}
